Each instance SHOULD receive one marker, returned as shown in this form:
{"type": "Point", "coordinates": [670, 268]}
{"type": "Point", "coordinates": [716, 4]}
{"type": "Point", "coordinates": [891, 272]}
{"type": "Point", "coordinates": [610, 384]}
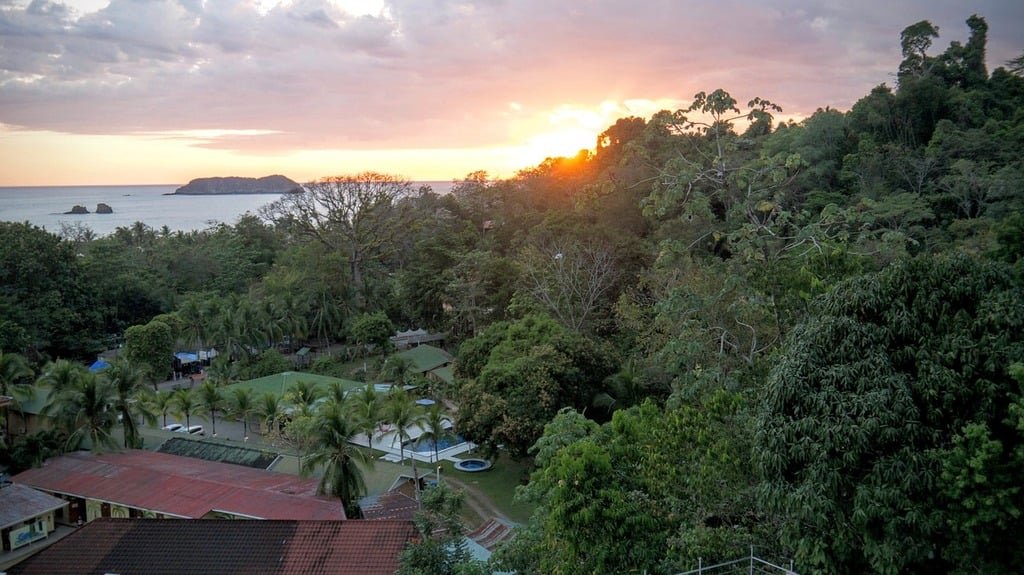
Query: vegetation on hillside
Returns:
{"type": "Point", "coordinates": [714, 331]}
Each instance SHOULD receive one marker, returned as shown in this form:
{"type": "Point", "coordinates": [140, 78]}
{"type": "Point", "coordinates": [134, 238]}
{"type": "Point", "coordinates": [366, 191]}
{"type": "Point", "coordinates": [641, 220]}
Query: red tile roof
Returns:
{"type": "Point", "coordinates": [181, 486]}
{"type": "Point", "coordinates": [225, 547]}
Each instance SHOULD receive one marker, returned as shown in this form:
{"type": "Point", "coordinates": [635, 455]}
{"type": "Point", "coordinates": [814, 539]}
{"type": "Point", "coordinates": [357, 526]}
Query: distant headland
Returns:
{"type": "Point", "coordinates": [235, 185]}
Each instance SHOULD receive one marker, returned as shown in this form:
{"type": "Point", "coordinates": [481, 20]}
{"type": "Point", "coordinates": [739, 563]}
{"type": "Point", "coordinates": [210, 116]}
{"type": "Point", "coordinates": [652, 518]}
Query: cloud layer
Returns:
{"type": "Point", "coordinates": [312, 74]}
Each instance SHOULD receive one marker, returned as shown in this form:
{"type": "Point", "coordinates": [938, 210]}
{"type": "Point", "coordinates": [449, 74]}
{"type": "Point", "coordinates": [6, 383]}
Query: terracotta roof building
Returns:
{"type": "Point", "coordinates": [225, 547]}
{"type": "Point", "coordinates": [137, 483]}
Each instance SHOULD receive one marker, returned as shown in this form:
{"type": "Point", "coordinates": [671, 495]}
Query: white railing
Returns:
{"type": "Point", "coordinates": [750, 565]}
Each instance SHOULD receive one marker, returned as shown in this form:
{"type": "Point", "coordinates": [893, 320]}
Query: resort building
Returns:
{"type": "Point", "coordinates": [224, 547]}
{"type": "Point", "coordinates": [137, 483]}
{"type": "Point", "coordinates": [27, 516]}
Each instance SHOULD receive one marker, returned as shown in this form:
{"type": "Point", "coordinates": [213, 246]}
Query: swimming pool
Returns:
{"type": "Point", "coordinates": [426, 445]}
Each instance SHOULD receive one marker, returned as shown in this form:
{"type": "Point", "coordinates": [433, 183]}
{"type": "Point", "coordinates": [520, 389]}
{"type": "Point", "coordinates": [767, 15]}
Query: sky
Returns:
{"type": "Point", "coordinates": [164, 91]}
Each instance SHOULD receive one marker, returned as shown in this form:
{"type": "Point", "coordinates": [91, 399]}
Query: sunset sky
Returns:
{"type": "Point", "coordinates": [163, 91]}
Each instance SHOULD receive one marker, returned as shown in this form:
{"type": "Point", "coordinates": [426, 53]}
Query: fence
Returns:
{"type": "Point", "coordinates": [751, 565]}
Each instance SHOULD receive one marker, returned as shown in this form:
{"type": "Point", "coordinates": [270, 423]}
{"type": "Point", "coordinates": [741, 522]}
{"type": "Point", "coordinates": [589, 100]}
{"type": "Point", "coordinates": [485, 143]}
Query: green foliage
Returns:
{"type": "Point", "coordinates": [269, 362]}
{"type": "Point", "coordinates": [898, 373]}
{"type": "Point", "coordinates": [535, 367]}
{"type": "Point", "coordinates": [44, 304]}
{"type": "Point", "coordinates": [31, 450]}
{"type": "Point", "coordinates": [373, 329]}
{"type": "Point", "coordinates": [150, 347]}
{"type": "Point", "coordinates": [330, 450]}
{"type": "Point", "coordinates": [652, 491]}
{"type": "Point", "coordinates": [441, 549]}
{"type": "Point", "coordinates": [83, 409]}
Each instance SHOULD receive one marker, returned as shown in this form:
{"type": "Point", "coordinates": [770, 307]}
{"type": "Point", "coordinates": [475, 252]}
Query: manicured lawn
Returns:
{"type": "Point", "coordinates": [499, 484]}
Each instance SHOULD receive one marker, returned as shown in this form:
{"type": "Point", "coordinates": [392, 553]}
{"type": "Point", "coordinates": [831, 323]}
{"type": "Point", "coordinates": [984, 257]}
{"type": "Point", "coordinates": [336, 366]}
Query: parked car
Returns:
{"type": "Point", "coordinates": [193, 430]}
{"type": "Point", "coordinates": [173, 427]}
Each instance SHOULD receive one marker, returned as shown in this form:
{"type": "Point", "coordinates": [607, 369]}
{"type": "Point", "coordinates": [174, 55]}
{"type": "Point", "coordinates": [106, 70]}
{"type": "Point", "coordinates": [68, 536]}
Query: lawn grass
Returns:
{"type": "Point", "coordinates": [499, 484]}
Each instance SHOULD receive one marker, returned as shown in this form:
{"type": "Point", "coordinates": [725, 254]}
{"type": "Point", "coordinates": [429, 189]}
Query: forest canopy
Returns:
{"type": "Point", "coordinates": [713, 331]}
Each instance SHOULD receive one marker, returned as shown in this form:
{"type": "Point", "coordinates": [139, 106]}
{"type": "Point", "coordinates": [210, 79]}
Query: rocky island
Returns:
{"type": "Point", "coordinates": [101, 208]}
{"type": "Point", "coordinates": [275, 184]}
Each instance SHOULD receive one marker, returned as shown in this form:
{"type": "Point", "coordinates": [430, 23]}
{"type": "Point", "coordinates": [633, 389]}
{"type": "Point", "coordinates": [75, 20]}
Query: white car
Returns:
{"type": "Point", "coordinates": [193, 430]}
{"type": "Point", "coordinates": [173, 427]}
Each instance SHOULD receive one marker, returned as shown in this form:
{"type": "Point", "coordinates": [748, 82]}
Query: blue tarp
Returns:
{"type": "Point", "coordinates": [186, 357]}
{"type": "Point", "coordinates": [98, 365]}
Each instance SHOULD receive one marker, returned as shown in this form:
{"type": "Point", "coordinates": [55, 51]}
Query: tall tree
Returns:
{"type": "Point", "coordinates": [242, 406]}
{"type": "Point", "coordinates": [367, 410]}
{"type": "Point", "coordinates": [442, 548]}
{"type": "Point", "coordinates": [332, 450]}
{"type": "Point", "coordinates": [162, 402]}
{"type": "Point", "coordinates": [84, 410]}
{"type": "Point", "coordinates": [403, 413]}
{"type": "Point", "coordinates": [15, 382]}
{"type": "Point", "coordinates": [212, 400]}
{"type": "Point", "coordinates": [131, 402]}
{"type": "Point", "coordinates": [185, 404]}
{"type": "Point", "coordinates": [270, 410]}
{"type": "Point", "coordinates": [150, 347]}
{"type": "Point", "coordinates": [434, 427]}
{"type": "Point", "coordinates": [900, 376]}
{"type": "Point", "coordinates": [360, 215]}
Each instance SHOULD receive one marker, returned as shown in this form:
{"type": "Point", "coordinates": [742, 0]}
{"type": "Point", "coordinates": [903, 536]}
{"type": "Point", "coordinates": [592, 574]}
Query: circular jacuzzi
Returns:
{"type": "Point", "coordinates": [473, 465]}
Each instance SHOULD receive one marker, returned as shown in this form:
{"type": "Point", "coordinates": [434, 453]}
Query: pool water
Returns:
{"type": "Point", "coordinates": [425, 445]}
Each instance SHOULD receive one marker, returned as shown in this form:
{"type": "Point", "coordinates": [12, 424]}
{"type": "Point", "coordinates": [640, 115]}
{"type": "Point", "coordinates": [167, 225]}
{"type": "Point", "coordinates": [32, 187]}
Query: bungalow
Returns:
{"type": "Point", "coordinates": [26, 516]}
{"type": "Point", "coordinates": [225, 547]}
{"type": "Point", "coordinates": [145, 484]}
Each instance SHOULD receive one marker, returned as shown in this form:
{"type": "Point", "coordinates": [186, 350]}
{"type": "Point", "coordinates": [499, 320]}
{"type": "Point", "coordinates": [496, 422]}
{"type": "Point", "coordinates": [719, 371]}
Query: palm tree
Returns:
{"type": "Point", "coordinates": [84, 409]}
{"type": "Point", "coordinates": [403, 413]}
{"type": "Point", "coordinates": [185, 404]}
{"type": "Point", "coordinates": [130, 388]}
{"type": "Point", "coordinates": [242, 406]}
{"type": "Point", "coordinates": [14, 370]}
{"type": "Point", "coordinates": [397, 369]}
{"type": "Point", "coordinates": [433, 424]}
{"type": "Point", "coordinates": [302, 393]}
{"type": "Point", "coordinates": [366, 408]}
{"type": "Point", "coordinates": [162, 402]}
{"type": "Point", "coordinates": [328, 314]}
{"type": "Point", "coordinates": [331, 449]}
{"type": "Point", "coordinates": [271, 412]}
{"type": "Point", "coordinates": [211, 399]}
{"type": "Point", "coordinates": [60, 375]}
{"type": "Point", "coordinates": [337, 396]}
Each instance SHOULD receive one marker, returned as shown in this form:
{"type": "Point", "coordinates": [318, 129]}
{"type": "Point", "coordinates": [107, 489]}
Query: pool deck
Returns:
{"type": "Point", "coordinates": [387, 441]}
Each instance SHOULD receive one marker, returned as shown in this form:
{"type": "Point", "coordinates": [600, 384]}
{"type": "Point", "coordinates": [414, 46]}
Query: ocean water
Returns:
{"type": "Point", "coordinates": [45, 207]}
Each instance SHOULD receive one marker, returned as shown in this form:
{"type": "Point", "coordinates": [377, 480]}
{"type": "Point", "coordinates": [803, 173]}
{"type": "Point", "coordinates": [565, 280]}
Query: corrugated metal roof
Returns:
{"type": "Point", "coordinates": [19, 502]}
{"type": "Point", "coordinates": [391, 505]}
{"type": "Point", "coordinates": [181, 486]}
{"type": "Point", "coordinates": [146, 547]}
{"type": "Point", "coordinates": [426, 357]}
{"type": "Point", "coordinates": [214, 450]}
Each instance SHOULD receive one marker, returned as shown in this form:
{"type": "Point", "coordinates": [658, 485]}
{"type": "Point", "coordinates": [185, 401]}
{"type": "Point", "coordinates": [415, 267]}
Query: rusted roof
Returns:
{"type": "Point", "coordinates": [181, 486]}
{"type": "Point", "coordinates": [177, 546]}
{"type": "Point", "coordinates": [391, 505]}
{"type": "Point", "coordinates": [18, 503]}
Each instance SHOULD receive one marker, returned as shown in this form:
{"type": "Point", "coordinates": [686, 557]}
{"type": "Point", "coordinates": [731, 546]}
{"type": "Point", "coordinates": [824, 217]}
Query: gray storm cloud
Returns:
{"type": "Point", "coordinates": [437, 74]}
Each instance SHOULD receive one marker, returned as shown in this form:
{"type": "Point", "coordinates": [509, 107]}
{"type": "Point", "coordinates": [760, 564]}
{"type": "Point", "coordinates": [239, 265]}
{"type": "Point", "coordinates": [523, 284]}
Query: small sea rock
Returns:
{"type": "Point", "coordinates": [102, 208]}
{"type": "Point", "coordinates": [78, 210]}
